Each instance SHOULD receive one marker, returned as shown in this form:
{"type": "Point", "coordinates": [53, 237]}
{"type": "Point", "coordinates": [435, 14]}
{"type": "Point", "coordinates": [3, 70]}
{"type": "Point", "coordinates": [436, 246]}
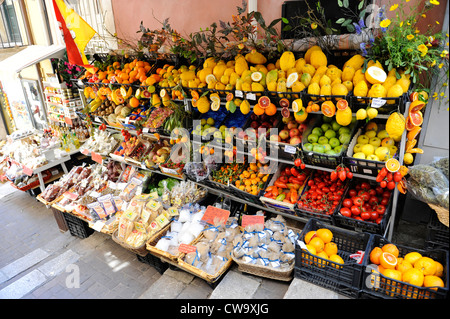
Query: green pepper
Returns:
{"type": "Point", "coordinates": [281, 197]}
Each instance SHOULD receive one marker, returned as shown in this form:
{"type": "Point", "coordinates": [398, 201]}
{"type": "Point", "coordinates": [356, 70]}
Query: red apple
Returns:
{"type": "Point", "coordinates": [284, 134]}
{"type": "Point", "coordinates": [302, 127]}
{"type": "Point", "coordinates": [254, 124]}
{"type": "Point", "coordinates": [292, 124]}
{"type": "Point", "coordinates": [295, 140]}
{"type": "Point", "coordinates": [294, 132]}
{"type": "Point", "coordinates": [275, 138]}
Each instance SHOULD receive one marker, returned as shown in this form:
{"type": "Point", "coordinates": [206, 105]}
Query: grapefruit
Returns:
{"type": "Point", "coordinates": [416, 106]}
{"type": "Point", "coordinates": [433, 281]}
{"type": "Point", "coordinates": [375, 255]}
{"type": "Point", "coordinates": [264, 102]}
{"type": "Point", "coordinates": [388, 260]}
{"type": "Point", "coordinates": [412, 257]}
{"type": "Point", "coordinates": [426, 265]}
{"type": "Point", "coordinates": [325, 234]}
{"type": "Point", "coordinates": [328, 108]}
{"type": "Point", "coordinates": [416, 118]}
{"type": "Point", "coordinates": [390, 248]}
{"type": "Point", "coordinates": [317, 243]}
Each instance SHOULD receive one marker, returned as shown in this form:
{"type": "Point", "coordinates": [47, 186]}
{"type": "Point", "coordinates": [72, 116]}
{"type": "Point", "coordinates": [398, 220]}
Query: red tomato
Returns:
{"type": "Point", "coordinates": [345, 211]}
{"type": "Point", "coordinates": [347, 203]}
{"type": "Point", "coordinates": [365, 215]}
{"type": "Point", "coordinates": [383, 184]}
{"type": "Point", "coordinates": [373, 215]}
{"type": "Point", "coordinates": [391, 185]}
{"type": "Point", "coordinates": [355, 210]}
{"type": "Point", "coordinates": [380, 209]}
{"type": "Point", "coordinates": [365, 186]}
{"type": "Point", "coordinates": [386, 194]}
{"type": "Point", "coordinates": [357, 201]}
{"type": "Point", "coordinates": [373, 200]}
{"type": "Point", "coordinates": [384, 201]}
{"type": "Point", "coordinates": [352, 192]}
{"type": "Point", "coordinates": [379, 190]}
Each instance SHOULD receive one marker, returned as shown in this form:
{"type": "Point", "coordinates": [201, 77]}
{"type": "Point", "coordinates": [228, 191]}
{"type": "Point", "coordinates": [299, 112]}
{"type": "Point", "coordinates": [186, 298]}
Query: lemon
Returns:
{"type": "Point", "coordinates": [394, 91]}
{"type": "Point", "coordinates": [355, 61]}
{"type": "Point", "coordinates": [297, 105]}
{"type": "Point", "coordinates": [287, 60]}
{"type": "Point", "coordinates": [293, 77]}
{"type": "Point", "coordinates": [395, 125]}
{"type": "Point", "coordinates": [377, 90]}
{"type": "Point", "coordinates": [310, 51]}
{"type": "Point", "coordinates": [203, 104]}
{"type": "Point", "coordinates": [344, 117]}
{"type": "Point", "coordinates": [297, 86]}
{"type": "Point", "coordinates": [347, 73]}
{"type": "Point", "coordinates": [359, 155]}
{"type": "Point", "coordinates": [255, 57]}
{"type": "Point", "coordinates": [324, 79]}
{"type": "Point", "coordinates": [318, 59]}
{"type": "Point", "coordinates": [361, 114]}
{"type": "Point", "coordinates": [257, 76]}
{"type": "Point", "coordinates": [368, 149]}
{"type": "Point", "coordinates": [361, 89]}
{"type": "Point", "coordinates": [240, 65]}
{"type": "Point", "coordinates": [408, 158]}
{"type": "Point", "coordinates": [372, 113]}
{"type": "Point", "coordinates": [383, 153]}
{"type": "Point", "coordinates": [245, 107]}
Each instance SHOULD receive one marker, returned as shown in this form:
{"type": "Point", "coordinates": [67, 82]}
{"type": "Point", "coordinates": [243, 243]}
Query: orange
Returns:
{"type": "Point", "coordinates": [391, 286]}
{"type": "Point", "coordinates": [426, 265]}
{"type": "Point", "coordinates": [342, 104]}
{"type": "Point", "coordinates": [271, 109]}
{"type": "Point", "coordinates": [330, 249]}
{"type": "Point", "coordinates": [414, 277]}
{"type": "Point", "coordinates": [134, 102]}
{"type": "Point", "coordinates": [403, 265]}
{"type": "Point", "coordinates": [412, 257]}
{"type": "Point", "coordinates": [393, 274]}
{"type": "Point", "coordinates": [310, 235]}
{"type": "Point", "coordinates": [312, 251]}
{"type": "Point", "coordinates": [433, 281]}
{"type": "Point", "coordinates": [328, 108]}
{"type": "Point", "coordinates": [258, 110]}
{"type": "Point", "coordinates": [317, 243]}
{"type": "Point", "coordinates": [388, 260]}
{"type": "Point", "coordinates": [336, 259]}
{"type": "Point", "coordinates": [416, 105]}
{"type": "Point", "coordinates": [325, 234]}
{"type": "Point", "coordinates": [375, 255]}
{"type": "Point", "coordinates": [416, 118]}
{"type": "Point", "coordinates": [390, 248]}
{"type": "Point", "coordinates": [322, 262]}
{"type": "Point", "coordinates": [439, 269]}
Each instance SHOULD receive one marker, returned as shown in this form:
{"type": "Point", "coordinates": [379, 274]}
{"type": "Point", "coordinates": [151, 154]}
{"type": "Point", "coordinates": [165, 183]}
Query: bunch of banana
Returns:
{"type": "Point", "coordinates": [94, 104]}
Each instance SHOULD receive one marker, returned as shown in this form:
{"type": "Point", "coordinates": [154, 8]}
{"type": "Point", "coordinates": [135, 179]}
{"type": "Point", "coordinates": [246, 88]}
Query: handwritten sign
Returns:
{"type": "Point", "coordinates": [186, 249]}
{"type": "Point", "coordinates": [252, 220]}
{"type": "Point", "coordinates": [214, 214]}
{"type": "Point", "coordinates": [97, 158]}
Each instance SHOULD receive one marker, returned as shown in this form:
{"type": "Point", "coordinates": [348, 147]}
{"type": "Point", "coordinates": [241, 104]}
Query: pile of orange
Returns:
{"type": "Point", "coordinates": [319, 244]}
{"type": "Point", "coordinates": [253, 178]}
{"type": "Point", "coordinates": [413, 269]}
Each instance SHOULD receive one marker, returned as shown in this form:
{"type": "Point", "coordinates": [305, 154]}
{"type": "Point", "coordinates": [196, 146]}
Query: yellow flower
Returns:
{"type": "Point", "coordinates": [422, 48]}
{"type": "Point", "coordinates": [410, 37]}
{"type": "Point", "coordinates": [417, 31]}
{"type": "Point", "coordinates": [424, 15]}
{"type": "Point", "coordinates": [313, 25]}
{"type": "Point", "coordinates": [435, 2]}
{"type": "Point", "coordinates": [440, 65]}
{"type": "Point", "coordinates": [401, 24]}
{"type": "Point", "coordinates": [437, 22]}
{"type": "Point", "coordinates": [385, 23]}
{"type": "Point", "coordinates": [393, 7]}
{"type": "Point", "coordinates": [433, 63]}
{"type": "Point", "coordinates": [444, 53]}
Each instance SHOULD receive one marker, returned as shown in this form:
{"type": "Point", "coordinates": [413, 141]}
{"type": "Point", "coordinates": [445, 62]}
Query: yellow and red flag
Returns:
{"type": "Point", "coordinates": [77, 32]}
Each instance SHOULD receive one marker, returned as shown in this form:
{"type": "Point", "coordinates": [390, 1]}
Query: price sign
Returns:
{"type": "Point", "coordinates": [250, 96]}
{"type": "Point", "coordinates": [252, 220]}
{"type": "Point", "coordinates": [238, 93]}
{"type": "Point", "coordinates": [85, 151]}
{"type": "Point", "coordinates": [376, 103]}
{"type": "Point", "coordinates": [70, 195]}
{"type": "Point", "coordinates": [27, 171]}
{"type": "Point", "coordinates": [68, 121]}
{"type": "Point", "coordinates": [290, 149]}
{"type": "Point", "coordinates": [97, 158]}
{"type": "Point", "coordinates": [213, 214]}
{"type": "Point", "coordinates": [186, 249]}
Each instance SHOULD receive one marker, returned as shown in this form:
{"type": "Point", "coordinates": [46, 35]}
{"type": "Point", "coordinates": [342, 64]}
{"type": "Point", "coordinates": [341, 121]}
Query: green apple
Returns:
{"type": "Point", "coordinates": [375, 141]}
{"type": "Point", "coordinates": [338, 149]}
{"type": "Point", "coordinates": [323, 140]}
{"type": "Point", "coordinates": [335, 126]}
{"type": "Point", "coordinates": [318, 148]}
{"type": "Point", "coordinates": [344, 138]}
{"type": "Point", "coordinates": [203, 121]}
{"type": "Point", "coordinates": [331, 152]}
{"type": "Point", "coordinates": [363, 139]}
{"type": "Point", "coordinates": [382, 134]}
{"type": "Point", "coordinates": [373, 157]}
{"type": "Point", "coordinates": [313, 138]}
{"type": "Point", "coordinates": [327, 147]}
{"type": "Point", "coordinates": [329, 134]}
{"type": "Point", "coordinates": [359, 155]}
{"type": "Point", "coordinates": [371, 134]}
{"type": "Point", "coordinates": [357, 148]}
{"type": "Point", "coordinates": [325, 127]}
{"type": "Point", "coordinates": [334, 142]}
{"type": "Point", "coordinates": [343, 129]}
{"type": "Point", "coordinates": [318, 131]}
{"type": "Point", "coordinates": [308, 147]}
{"type": "Point", "coordinates": [218, 134]}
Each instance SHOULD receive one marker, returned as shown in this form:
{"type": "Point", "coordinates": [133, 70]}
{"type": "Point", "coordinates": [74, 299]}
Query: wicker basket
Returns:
{"type": "Point", "coordinates": [441, 213]}
{"type": "Point", "coordinates": [268, 272]}
{"type": "Point", "coordinates": [151, 245]}
{"type": "Point", "coordinates": [141, 251]}
{"type": "Point", "coordinates": [200, 273]}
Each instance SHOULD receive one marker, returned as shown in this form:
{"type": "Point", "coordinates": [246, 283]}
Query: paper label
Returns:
{"type": "Point", "coordinates": [238, 93]}
{"type": "Point", "coordinates": [376, 103]}
{"type": "Point", "coordinates": [290, 149]}
{"type": "Point", "coordinates": [97, 158]}
{"type": "Point", "coordinates": [250, 96]}
{"type": "Point", "coordinates": [98, 225]}
{"type": "Point", "coordinates": [186, 249]}
{"type": "Point", "coordinates": [252, 220]}
{"type": "Point", "coordinates": [213, 213]}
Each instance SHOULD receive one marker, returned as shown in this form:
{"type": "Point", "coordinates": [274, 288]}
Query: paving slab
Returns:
{"type": "Point", "coordinates": [235, 285]}
{"type": "Point", "coordinates": [301, 289]}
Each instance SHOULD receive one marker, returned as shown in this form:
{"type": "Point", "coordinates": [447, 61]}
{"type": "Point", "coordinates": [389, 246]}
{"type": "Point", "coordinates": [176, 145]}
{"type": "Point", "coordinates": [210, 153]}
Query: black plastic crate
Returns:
{"type": "Point", "coordinates": [399, 103]}
{"type": "Point", "coordinates": [377, 285]}
{"type": "Point", "coordinates": [341, 278]}
{"type": "Point", "coordinates": [323, 216]}
{"type": "Point", "coordinates": [77, 227]}
{"type": "Point", "coordinates": [437, 234]}
{"type": "Point", "coordinates": [365, 166]}
{"type": "Point", "coordinates": [322, 159]}
{"type": "Point", "coordinates": [153, 261]}
{"type": "Point", "coordinates": [362, 225]}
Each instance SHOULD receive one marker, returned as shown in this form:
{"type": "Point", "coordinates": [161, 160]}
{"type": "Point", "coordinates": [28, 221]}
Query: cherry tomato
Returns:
{"type": "Point", "coordinates": [365, 186]}
{"type": "Point", "coordinates": [298, 162]}
{"type": "Point", "coordinates": [397, 177]}
{"type": "Point", "coordinates": [349, 175]}
{"type": "Point", "coordinates": [347, 202]}
{"type": "Point", "coordinates": [333, 175]}
{"type": "Point", "coordinates": [379, 190]}
{"type": "Point", "coordinates": [384, 201]}
{"type": "Point", "coordinates": [345, 211]}
{"type": "Point", "coordinates": [391, 185]}
{"type": "Point", "coordinates": [372, 192]}
{"type": "Point", "coordinates": [383, 184]}
{"type": "Point", "coordinates": [373, 215]}
{"type": "Point", "coordinates": [380, 209]}
{"type": "Point", "coordinates": [355, 210]}
{"type": "Point", "coordinates": [357, 201]}
{"type": "Point", "coordinates": [386, 194]}
{"type": "Point", "coordinates": [365, 215]}
{"type": "Point", "coordinates": [373, 200]}
{"type": "Point", "coordinates": [383, 171]}
{"type": "Point", "coordinates": [352, 192]}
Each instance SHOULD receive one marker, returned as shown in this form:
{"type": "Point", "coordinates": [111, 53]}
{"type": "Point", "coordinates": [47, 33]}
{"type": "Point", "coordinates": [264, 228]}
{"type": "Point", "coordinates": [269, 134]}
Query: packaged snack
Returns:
{"type": "Point", "coordinates": [97, 211]}
{"type": "Point", "coordinates": [125, 228]}
{"type": "Point", "coordinates": [130, 190]}
{"type": "Point", "coordinates": [107, 202]}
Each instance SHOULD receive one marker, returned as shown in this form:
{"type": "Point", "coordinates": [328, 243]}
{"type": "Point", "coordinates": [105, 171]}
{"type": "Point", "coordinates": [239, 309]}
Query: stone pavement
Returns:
{"type": "Point", "coordinates": [38, 261]}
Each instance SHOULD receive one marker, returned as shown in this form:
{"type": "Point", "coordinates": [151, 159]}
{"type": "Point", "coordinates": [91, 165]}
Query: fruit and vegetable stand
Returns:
{"type": "Point", "coordinates": [321, 137]}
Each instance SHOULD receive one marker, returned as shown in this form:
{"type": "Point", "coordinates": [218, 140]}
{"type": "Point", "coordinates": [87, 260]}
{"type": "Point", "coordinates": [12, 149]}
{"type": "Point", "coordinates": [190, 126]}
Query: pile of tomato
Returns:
{"type": "Point", "coordinates": [322, 195]}
{"type": "Point", "coordinates": [365, 202]}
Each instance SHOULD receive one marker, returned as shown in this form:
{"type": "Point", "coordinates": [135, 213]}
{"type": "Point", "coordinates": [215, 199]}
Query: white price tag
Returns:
{"type": "Point", "coordinates": [376, 103]}
{"type": "Point", "coordinates": [98, 225]}
{"type": "Point", "coordinates": [127, 119]}
{"type": "Point", "coordinates": [97, 119]}
{"type": "Point", "coordinates": [250, 96]}
{"type": "Point", "coordinates": [290, 149]}
{"type": "Point", "coordinates": [238, 93]}
{"type": "Point", "coordinates": [145, 130]}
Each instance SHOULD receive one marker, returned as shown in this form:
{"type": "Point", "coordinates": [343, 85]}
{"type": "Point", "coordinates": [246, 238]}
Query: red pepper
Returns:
{"type": "Point", "coordinates": [280, 184]}
{"type": "Point", "coordinates": [283, 179]}
{"type": "Point", "coordinates": [294, 171]}
{"type": "Point", "coordinates": [288, 171]}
